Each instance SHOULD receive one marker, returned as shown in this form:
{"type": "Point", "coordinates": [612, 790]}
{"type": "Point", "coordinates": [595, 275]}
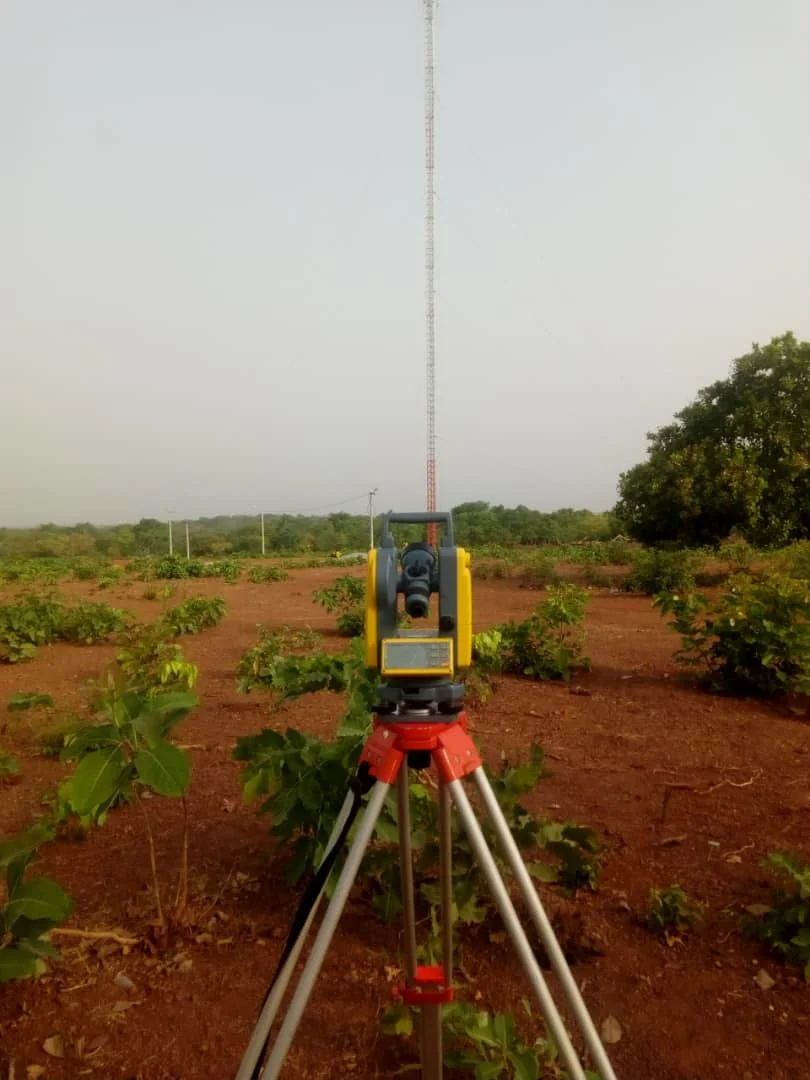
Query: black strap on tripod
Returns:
{"type": "Point", "coordinates": [360, 785]}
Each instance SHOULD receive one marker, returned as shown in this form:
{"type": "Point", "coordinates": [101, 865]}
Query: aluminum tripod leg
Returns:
{"type": "Point", "coordinates": [544, 929]}
{"type": "Point", "coordinates": [325, 933]}
{"type": "Point", "coordinates": [274, 998]}
{"type": "Point", "coordinates": [489, 868]}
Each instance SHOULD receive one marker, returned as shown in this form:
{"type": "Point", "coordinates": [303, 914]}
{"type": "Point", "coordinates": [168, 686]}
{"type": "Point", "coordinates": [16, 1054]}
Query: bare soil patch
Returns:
{"type": "Point", "coordinates": [616, 743]}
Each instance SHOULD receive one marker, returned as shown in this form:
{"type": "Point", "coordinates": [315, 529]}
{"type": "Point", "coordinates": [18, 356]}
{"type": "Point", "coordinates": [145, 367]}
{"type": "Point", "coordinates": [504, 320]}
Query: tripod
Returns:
{"type": "Point", "coordinates": [415, 738]}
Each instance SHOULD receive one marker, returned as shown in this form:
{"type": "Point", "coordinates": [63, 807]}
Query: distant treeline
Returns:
{"type": "Point", "coordinates": [476, 523]}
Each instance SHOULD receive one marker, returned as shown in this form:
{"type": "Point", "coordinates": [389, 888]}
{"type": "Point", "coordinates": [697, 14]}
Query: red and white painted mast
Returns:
{"type": "Point", "coordinates": [430, 263]}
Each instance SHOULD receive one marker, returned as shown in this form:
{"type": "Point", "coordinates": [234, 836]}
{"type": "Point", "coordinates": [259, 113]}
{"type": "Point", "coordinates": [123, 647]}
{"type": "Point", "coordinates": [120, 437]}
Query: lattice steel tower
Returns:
{"type": "Point", "coordinates": [430, 264]}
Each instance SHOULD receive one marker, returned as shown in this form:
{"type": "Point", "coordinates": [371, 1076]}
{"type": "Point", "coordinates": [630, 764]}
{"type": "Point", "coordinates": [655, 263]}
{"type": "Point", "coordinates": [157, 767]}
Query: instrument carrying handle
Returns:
{"type": "Point", "coordinates": [421, 517]}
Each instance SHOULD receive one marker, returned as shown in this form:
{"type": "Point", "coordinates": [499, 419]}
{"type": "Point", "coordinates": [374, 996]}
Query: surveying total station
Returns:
{"type": "Point", "coordinates": [420, 668]}
{"type": "Point", "coordinates": [420, 723]}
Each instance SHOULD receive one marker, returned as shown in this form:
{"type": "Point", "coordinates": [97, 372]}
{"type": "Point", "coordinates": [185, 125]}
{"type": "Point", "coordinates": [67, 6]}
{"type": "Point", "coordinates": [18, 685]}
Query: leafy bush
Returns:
{"type": "Point", "coordinates": [291, 676]}
{"type": "Point", "coordinates": [125, 748]}
{"type": "Point", "coordinates": [737, 553]}
{"type": "Point", "coordinates": [591, 554]}
{"type": "Point", "coordinates": [753, 639]}
{"type": "Point", "coordinates": [88, 623]}
{"type": "Point", "coordinates": [193, 615]}
{"type": "Point", "coordinates": [272, 664]}
{"type": "Point", "coordinates": [796, 560]}
{"type": "Point", "coordinates": [345, 596]}
{"type": "Point", "coordinates": [32, 909]}
{"type": "Point", "coordinates": [482, 1045]}
{"type": "Point", "coordinates": [260, 574]}
{"type": "Point", "coordinates": [491, 568]}
{"type": "Point", "coordinates": [152, 664]}
{"type": "Point", "coordinates": [172, 566]}
{"type": "Point", "coordinates": [9, 765]}
{"type": "Point", "coordinates": [577, 851]}
{"type": "Point", "coordinates": [51, 739]}
{"type": "Point", "coordinates": [670, 910]}
{"type": "Point", "coordinates": [492, 551]}
{"type": "Point", "coordinates": [124, 753]}
{"type": "Point", "coordinates": [302, 779]}
{"type": "Point", "coordinates": [538, 572]}
{"type": "Point", "coordinates": [85, 570]}
{"type": "Point", "coordinates": [488, 649]}
{"type": "Point", "coordinates": [27, 622]}
{"type": "Point", "coordinates": [654, 571]}
{"type": "Point", "coordinates": [547, 645]}
{"type": "Point", "coordinates": [597, 578]}
{"type": "Point", "coordinates": [619, 553]}
{"type": "Point", "coordinates": [229, 569]}
{"type": "Point", "coordinates": [30, 571]}
{"type": "Point", "coordinates": [38, 620]}
{"type": "Point", "coordinates": [351, 623]}
{"type": "Point", "coordinates": [22, 702]}
{"type": "Point", "coordinates": [785, 927]}
{"type": "Point", "coordinates": [111, 576]}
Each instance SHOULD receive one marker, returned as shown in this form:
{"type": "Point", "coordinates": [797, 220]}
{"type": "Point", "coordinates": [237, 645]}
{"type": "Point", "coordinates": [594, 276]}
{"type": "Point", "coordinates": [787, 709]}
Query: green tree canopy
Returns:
{"type": "Point", "coordinates": [736, 459]}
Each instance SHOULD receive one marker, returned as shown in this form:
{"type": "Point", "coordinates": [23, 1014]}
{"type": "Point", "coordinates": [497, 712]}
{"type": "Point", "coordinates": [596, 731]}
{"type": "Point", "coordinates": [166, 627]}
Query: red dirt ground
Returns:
{"type": "Point", "coordinates": [687, 1012]}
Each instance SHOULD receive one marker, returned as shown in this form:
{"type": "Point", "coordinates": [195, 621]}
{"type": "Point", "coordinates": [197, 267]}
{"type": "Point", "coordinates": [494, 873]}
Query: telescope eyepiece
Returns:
{"type": "Point", "coordinates": [416, 582]}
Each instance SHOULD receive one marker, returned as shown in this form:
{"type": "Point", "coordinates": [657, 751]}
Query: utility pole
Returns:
{"type": "Point", "coordinates": [371, 495]}
{"type": "Point", "coordinates": [188, 544]}
{"type": "Point", "coordinates": [171, 538]}
{"type": "Point", "coordinates": [254, 507]}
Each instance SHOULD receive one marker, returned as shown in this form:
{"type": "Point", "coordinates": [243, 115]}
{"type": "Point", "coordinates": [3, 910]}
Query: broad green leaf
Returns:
{"type": "Point", "coordinates": [503, 1026]}
{"type": "Point", "coordinates": [36, 946]}
{"type": "Point", "coordinates": [164, 768]}
{"type": "Point", "coordinates": [387, 904]}
{"type": "Point", "coordinates": [525, 1064]}
{"type": "Point", "coordinates": [32, 929]}
{"type": "Point", "coordinates": [24, 843]}
{"type": "Point", "coordinates": [397, 1020]}
{"type": "Point", "coordinates": [38, 899]}
{"type": "Point", "coordinates": [171, 703]}
{"type": "Point", "coordinates": [18, 964]}
{"type": "Point", "coordinates": [95, 779]}
{"type": "Point", "coordinates": [523, 778]}
{"type": "Point", "coordinates": [15, 872]}
{"type": "Point", "coordinates": [151, 726]}
{"type": "Point", "coordinates": [258, 784]}
{"type": "Point", "coordinates": [92, 737]}
{"type": "Point", "coordinates": [540, 872]}
{"type": "Point", "coordinates": [386, 830]}
{"type": "Point", "coordinates": [489, 1070]}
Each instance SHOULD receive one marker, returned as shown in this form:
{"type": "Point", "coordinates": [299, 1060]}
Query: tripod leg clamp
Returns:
{"type": "Point", "coordinates": [428, 988]}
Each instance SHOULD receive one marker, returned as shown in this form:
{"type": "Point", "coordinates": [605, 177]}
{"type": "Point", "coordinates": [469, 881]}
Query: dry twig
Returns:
{"type": "Point", "coordinates": [669, 788]}
{"type": "Point", "coordinates": [96, 935]}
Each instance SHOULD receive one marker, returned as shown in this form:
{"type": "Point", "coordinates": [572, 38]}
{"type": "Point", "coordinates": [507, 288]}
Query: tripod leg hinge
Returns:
{"type": "Point", "coordinates": [449, 745]}
{"type": "Point", "coordinates": [428, 988]}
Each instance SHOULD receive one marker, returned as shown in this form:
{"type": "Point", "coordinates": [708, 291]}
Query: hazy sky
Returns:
{"type": "Point", "coordinates": [211, 262]}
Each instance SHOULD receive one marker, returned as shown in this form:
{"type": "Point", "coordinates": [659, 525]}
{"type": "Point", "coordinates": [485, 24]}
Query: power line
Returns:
{"type": "Point", "coordinates": [324, 506]}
